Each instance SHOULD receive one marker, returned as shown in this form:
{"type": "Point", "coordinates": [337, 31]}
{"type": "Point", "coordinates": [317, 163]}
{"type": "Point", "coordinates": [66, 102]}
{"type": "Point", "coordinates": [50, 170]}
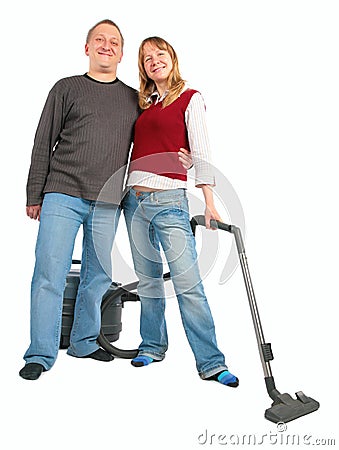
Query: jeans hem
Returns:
{"type": "Point", "coordinates": [210, 372]}
{"type": "Point", "coordinates": [155, 356]}
{"type": "Point", "coordinates": [38, 361]}
{"type": "Point", "coordinates": [81, 354]}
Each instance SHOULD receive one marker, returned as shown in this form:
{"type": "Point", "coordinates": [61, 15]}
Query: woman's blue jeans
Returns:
{"type": "Point", "coordinates": [162, 219]}
{"type": "Point", "coordinates": [61, 219]}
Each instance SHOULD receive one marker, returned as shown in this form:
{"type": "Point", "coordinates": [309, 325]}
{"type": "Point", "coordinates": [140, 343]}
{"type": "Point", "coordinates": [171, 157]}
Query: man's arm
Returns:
{"type": "Point", "coordinates": [33, 211]}
{"type": "Point", "coordinates": [47, 135]}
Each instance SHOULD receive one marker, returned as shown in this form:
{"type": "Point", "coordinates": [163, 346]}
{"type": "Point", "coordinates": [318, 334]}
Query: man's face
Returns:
{"type": "Point", "coordinates": [104, 48]}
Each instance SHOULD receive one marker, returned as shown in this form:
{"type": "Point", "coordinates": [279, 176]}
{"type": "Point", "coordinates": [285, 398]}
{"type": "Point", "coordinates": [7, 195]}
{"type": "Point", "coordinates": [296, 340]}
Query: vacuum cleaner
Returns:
{"type": "Point", "coordinates": [284, 407]}
{"type": "Point", "coordinates": [111, 311]}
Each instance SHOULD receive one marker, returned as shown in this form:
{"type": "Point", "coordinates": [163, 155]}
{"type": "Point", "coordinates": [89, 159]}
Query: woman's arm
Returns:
{"type": "Point", "coordinates": [210, 209]}
{"type": "Point", "coordinates": [197, 132]}
{"type": "Point", "coordinates": [201, 155]}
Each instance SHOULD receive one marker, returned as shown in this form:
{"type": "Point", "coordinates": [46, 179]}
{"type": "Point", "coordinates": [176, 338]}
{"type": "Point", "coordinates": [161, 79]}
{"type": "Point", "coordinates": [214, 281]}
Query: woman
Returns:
{"type": "Point", "coordinates": [156, 210]}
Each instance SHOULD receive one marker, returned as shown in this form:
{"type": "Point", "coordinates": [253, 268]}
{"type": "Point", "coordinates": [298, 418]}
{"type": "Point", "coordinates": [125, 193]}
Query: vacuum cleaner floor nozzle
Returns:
{"type": "Point", "coordinates": [285, 408]}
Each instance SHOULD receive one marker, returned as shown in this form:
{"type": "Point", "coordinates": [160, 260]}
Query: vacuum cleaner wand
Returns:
{"type": "Point", "coordinates": [284, 408]}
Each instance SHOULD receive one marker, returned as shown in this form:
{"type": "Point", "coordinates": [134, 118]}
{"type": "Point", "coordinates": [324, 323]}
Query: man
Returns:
{"type": "Point", "coordinates": [83, 138]}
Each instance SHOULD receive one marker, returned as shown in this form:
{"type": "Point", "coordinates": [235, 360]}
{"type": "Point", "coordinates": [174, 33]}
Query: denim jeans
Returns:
{"type": "Point", "coordinates": [162, 219]}
{"type": "Point", "coordinates": [60, 221]}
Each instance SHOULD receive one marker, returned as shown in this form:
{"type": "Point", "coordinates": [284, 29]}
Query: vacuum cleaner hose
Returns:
{"type": "Point", "coordinates": [112, 297]}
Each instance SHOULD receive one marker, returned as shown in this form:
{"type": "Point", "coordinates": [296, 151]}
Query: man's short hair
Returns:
{"type": "Point", "coordinates": [108, 22]}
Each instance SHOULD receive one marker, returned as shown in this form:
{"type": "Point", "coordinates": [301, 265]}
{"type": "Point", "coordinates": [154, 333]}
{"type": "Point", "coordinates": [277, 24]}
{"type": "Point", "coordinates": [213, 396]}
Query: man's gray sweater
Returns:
{"type": "Point", "coordinates": [83, 138]}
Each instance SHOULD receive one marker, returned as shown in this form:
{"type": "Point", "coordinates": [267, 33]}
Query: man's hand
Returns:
{"type": "Point", "coordinates": [33, 211]}
{"type": "Point", "coordinates": [185, 158]}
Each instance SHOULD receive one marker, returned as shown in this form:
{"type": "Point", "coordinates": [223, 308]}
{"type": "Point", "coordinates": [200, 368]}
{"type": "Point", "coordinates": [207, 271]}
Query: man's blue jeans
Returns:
{"type": "Point", "coordinates": [162, 218]}
{"type": "Point", "coordinates": [61, 219]}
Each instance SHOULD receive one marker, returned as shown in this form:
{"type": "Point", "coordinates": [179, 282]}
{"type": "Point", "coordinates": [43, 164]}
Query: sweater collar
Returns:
{"type": "Point", "coordinates": [100, 82]}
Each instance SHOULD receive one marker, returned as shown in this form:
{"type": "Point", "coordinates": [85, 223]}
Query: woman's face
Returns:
{"type": "Point", "coordinates": [157, 63]}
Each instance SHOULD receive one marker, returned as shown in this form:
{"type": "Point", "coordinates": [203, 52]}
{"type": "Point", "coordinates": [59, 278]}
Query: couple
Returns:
{"type": "Point", "coordinates": [84, 136]}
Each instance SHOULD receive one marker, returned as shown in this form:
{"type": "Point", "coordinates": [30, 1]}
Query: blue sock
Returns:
{"type": "Point", "coordinates": [225, 377]}
{"type": "Point", "coordinates": [141, 361]}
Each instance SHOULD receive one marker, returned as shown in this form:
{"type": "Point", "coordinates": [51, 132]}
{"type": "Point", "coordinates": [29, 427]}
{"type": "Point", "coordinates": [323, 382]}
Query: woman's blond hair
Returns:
{"type": "Point", "coordinates": [147, 86]}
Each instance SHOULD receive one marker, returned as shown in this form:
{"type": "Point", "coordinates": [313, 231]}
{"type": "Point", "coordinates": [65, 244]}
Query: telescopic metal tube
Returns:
{"type": "Point", "coordinates": [200, 220]}
{"type": "Point", "coordinates": [251, 298]}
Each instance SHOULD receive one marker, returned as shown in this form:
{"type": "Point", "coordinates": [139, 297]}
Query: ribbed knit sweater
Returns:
{"type": "Point", "coordinates": [83, 138]}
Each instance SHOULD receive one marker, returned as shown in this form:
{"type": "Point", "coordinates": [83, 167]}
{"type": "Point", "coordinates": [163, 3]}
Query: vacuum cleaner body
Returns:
{"type": "Point", "coordinates": [110, 321]}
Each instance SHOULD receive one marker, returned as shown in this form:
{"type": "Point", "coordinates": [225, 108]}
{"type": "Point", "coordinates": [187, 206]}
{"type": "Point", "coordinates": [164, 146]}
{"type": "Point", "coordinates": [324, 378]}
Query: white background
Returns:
{"type": "Point", "coordinates": [269, 74]}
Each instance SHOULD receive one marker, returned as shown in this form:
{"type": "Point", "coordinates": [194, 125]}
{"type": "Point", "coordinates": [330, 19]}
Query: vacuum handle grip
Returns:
{"type": "Point", "coordinates": [200, 220]}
